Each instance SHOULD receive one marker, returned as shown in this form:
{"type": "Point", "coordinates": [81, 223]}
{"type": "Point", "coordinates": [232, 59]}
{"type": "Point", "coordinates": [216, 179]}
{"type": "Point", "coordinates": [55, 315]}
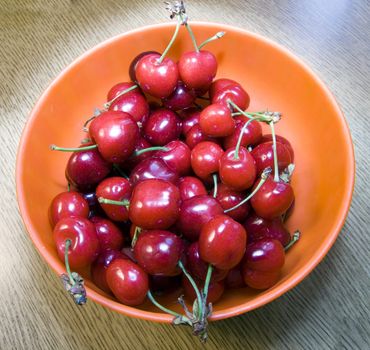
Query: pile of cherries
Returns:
{"type": "Point", "coordinates": [175, 186]}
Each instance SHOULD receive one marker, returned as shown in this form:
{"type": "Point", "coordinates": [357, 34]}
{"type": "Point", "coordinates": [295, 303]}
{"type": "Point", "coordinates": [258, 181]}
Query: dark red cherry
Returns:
{"type": "Point", "coordinates": [94, 206]}
{"type": "Point", "coordinates": [234, 278]}
{"type": "Point", "coordinates": [264, 156]}
{"type": "Point", "coordinates": [162, 127]}
{"type": "Point", "coordinates": [272, 199]}
{"type": "Point", "coordinates": [260, 279]}
{"type": "Point", "coordinates": [119, 88]}
{"type": "Point", "coordinates": [228, 198]}
{"type": "Point", "coordinates": [198, 268]}
{"type": "Point", "coordinates": [134, 160]}
{"type": "Point", "coordinates": [68, 204]}
{"type": "Point", "coordinates": [251, 135]}
{"type": "Point", "coordinates": [84, 246]}
{"type": "Point", "coordinates": [195, 135]}
{"type": "Point", "coordinates": [134, 104]}
{"type": "Point", "coordinates": [158, 79]}
{"type": "Point", "coordinates": [158, 252]}
{"type": "Point", "coordinates": [215, 289]}
{"type": "Point", "coordinates": [281, 139]}
{"type": "Point", "coordinates": [195, 212]}
{"type": "Point", "coordinates": [133, 63]}
{"type": "Point", "coordinates": [177, 157]}
{"type": "Point", "coordinates": [180, 99]}
{"type": "Point", "coordinates": [100, 266]}
{"type": "Point", "coordinates": [265, 255]}
{"type": "Point", "coordinates": [118, 189]}
{"type": "Point", "coordinates": [238, 174]}
{"type": "Point", "coordinates": [197, 69]}
{"type": "Point", "coordinates": [109, 235]}
{"type": "Point", "coordinates": [190, 186]}
{"type": "Point", "coordinates": [152, 168]}
{"type": "Point", "coordinates": [220, 84]}
{"type": "Point", "coordinates": [222, 242]}
{"type": "Point", "coordinates": [128, 281]}
{"type": "Point", "coordinates": [216, 121]}
{"type": "Point", "coordinates": [235, 93]}
{"type": "Point", "coordinates": [85, 169]}
{"type": "Point", "coordinates": [205, 157]}
{"type": "Point", "coordinates": [259, 228]}
{"type": "Point", "coordinates": [190, 117]}
{"type": "Point", "coordinates": [155, 204]}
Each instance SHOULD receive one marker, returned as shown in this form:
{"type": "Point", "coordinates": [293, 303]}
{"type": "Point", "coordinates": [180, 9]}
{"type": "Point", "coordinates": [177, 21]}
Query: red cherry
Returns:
{"type": "Point", "coordinates": [100, 266]}
{"type": "Point", "coordinates": [215, 290]}
{"type": "Point", "coordinates": [119, 88]}
{"type": "Point", "coordinates": [264, 156]}
{"type": "Point", "coordinates": [195, 136]}
{"type": "Point", "coordinates": [158, 252]}
{"type": "Point", "coordinates": [228, 198]}
{"type": "Point", "coordinates": [198, 268]}
{"type": "Point", "coordinates": [158, 79]}
{"type": "Point", "coordinates": [197, 69]}
{"type": "Point", "coordinates": [116, 134]}
{"type": "Point", "coordinates": [134, 160]}
{"type": "Point", "coordinates": [190, 186]}
{"type": "Point", "coordinates": [251, 135]}
{"type": "Point", "coordinates": [152, 168]}
{"type": "Point", "coordinates": [154, 204]}
{"type": "Point", "coordinates": [84, 246]}
{"type": "Point", "coordinates": [235, 93]}
{"type": "Point", "coordinates": [281, 139]}
{"type": "Point", "coordinates": [134, 62]}
{"type": "Point", "coordinates": [162, 127]}
{"type": "Point", "coordinates": [205, 157]}
{"type": "Point", "coordinates": [190, 117]}
{"type": "Point", "coordinates": [216, 121]}
{"type": "Point", "coordinates": [68, 204]}
{"type": "Point", "coordinates": [220, 84]}
{"type": "Point", "coordinates": [195, 212]}
{"type": "Point", "coordinates": [238, 174]}
{"type": "Point", "coordinates": [222, 242]}
{"type": "Point", "coordinates": [260, 279]}
{"type": "Point", "coordinates": [265, 255]}
{"type": "Point", "coordinates": [272, 199]}
{"type": "Point", "coordinates": [260, 228]}
{"type": "Point", "coordinates": [234, 278]}
{"type": "Point", "coordinates": [85, 169]}
{"type": "Point", "coordinates": [180, 99]}
{"type": "Point", "coordinates": [128, 281]}
{"type": "Point", "coordinates": [117, 189]}
{"type": "Point", "coordinates": [109, 235]}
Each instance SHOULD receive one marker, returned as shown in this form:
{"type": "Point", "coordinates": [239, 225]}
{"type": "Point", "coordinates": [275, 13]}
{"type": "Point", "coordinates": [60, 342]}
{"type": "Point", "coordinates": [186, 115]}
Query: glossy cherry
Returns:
{"type": "Point", "coordinates": [195, 212]}
{"type": "Point", "coordinates": [264, 156]}
{"type": "Point", "coordinates": [222, 242]}
{"type": "Point", "coordinates": [180, 99]}
{"type": "Point", "coordinates": [94, 206]}
{"type": "Point", "coordinates": [134, 160]}
{"type": "Point", "coordinates": [234, 278]}
{"type": "Point", "coordinates": [158, 252]}
{"type": "Point", "coordinates": [235, 93]}
{"type": "Point", "coordinates": [109, 235]}
{"type": "Point", "coordinates": [252, 134]}
{"type": "Point", "coordinates": [220, 84]}
{"type": "Point", "coordinates": [84, 246]}
{"type": "Point", "coordinates": [68, 204]}
{"type": "Point", "coordinates": [121, 87]}
{"type": "Point", "coordinates": [272, 199]}
{"type": "Point", "coordinates": [155, 204]}
{"type": "Point", "coordinates": [132, 67]}
{"type": "Point", "coordinates": [237, 173]}
{"type": "Point", "coordinates": [215, 289]}
{"type": "Point", "coordinates": [190, 117]}
{"type": "Point", "coordinates": [195, 135]}
{"type": "Point", "coordinates": [216, 121]}
{"type": "Point", "coordinates": [190, 186]}
{"type": "Point", "coordinates": [281, 139]}
{"type": "Point", "coordinates": [158, 79]}
{"type": "Point", "coordinates": [118, 189]}
{"type": "Point", "coordinates": [128, 281]}
{"type": "Point", "coordinates": [259, 228]}
{"type": "Point", "coordinates": [197, 69]}
{"type": "Point", "coordinates": [162, 127]}
{"type": "Point", "coordinates": [205, 157]}
{"type": "Point", "coordinates": [260, 279]}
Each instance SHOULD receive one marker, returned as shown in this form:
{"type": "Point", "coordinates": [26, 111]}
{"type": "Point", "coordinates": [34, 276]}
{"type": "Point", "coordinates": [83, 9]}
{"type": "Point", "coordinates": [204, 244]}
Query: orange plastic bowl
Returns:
{"type": "Point", "coordinates": [274, 78]}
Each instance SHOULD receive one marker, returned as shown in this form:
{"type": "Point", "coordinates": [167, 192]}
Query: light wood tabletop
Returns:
{"type": "Point", "coordinates": [329, 310]}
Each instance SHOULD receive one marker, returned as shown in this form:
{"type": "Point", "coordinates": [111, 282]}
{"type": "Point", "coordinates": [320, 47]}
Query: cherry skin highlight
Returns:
{"type": "Point", "coordinates": [216, 121]}
{"type": "Point", "coordinates": [109, 235]}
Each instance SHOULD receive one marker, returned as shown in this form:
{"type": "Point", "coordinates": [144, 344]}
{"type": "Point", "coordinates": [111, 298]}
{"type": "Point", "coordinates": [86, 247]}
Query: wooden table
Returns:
{"type": "Point", "coordinates": [329, 310]}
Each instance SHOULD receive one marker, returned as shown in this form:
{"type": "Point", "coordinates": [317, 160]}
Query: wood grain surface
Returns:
{"type": "Point", "coordinates": [328, 310]}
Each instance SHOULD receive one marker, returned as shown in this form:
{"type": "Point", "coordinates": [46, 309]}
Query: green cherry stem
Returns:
{"type": "Point", "coordinates": [160, 60]}
{"type": "Point", "coordinates": [294, 240]}
{"type": "Point", "coordinates": [68, 243]}
{"type": "Point", "coordinates": [276, 166]}
{"type": "Point", "coordinates": [69, 187]}
{"type": "Point", "coordinates": [206, 283]}
{"type": "Point", "coordinates": [159, 306]}
{"type": "Point", "coordinates": [149, 149]}
{"type": "Point", "coordinates": [124, 203]}
{"type": "Point", "coordinates": [192, 36]}
{"type": "Point", "coordinates": [237, 147]}
{"type": "Point", "coordinates": [109, 103]}
{"type": "Point", "coordinates": [217, 36]}
{"type": "Point", "coordinates": [214, 176]}
{"type": "Point", "coordinates": [264, 177]}
{"type": "Point", "coordinates": [136, 236]}
{"type": "Point", "coordinates": [73, 149]}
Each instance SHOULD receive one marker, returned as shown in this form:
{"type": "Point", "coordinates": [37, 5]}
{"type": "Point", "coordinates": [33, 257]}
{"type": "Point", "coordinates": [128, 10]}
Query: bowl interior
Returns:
{"type": "Point", "coordinates": [275, 79]}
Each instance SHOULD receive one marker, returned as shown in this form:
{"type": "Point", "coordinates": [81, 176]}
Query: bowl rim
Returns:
{"type": "Point", "coordinates": [258, 301]}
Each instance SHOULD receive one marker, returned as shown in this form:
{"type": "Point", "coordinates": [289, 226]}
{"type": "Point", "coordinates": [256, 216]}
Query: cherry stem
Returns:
{"type": "Point", "coordinates": [190, 31]}
{"type": "Point", "coordinates": [87, 122]}
{"type": "Point", "coordinates": [172, 40]}
{"type": "Point", "coordinates": [215, 185]}
{"type": "Point", "coordinates": [120, 171]}
{"type": "Point", "coordinates": [68, 243]}
{"type": "Point", "coordinates": [73, 149]}
{"type": "Point", "coordinates": [251, 115]}
{"type": "Point", "coordinates": [276, 167]}
{"type": "Point", "coordinates": [264, 177]}
{"type": "Point", "coordinates": [109, 103]}
{"type": "Point", "coordinates": [206, 283]}
{"type": "Point", "coordinates": [159, 306]}
{"type": "Point", "coordinates": [149, 149]}
{"type": "Point", "coordinates": [69, 187]}
{"type": "Point", "coordinates": [124, 203]}
{"type": "Point", "coordinates": [218, 35]}
{"type": "Point", "coordinates": [237, 147]}
{"type": "Point", "coordinates": [294, 240]}
{"type": "Point", "coordinates": [136, 235]}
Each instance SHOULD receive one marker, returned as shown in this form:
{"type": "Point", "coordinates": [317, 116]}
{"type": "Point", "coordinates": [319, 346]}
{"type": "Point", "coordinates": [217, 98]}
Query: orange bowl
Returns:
{"type": "Point", "coordinates": [274, 78]}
